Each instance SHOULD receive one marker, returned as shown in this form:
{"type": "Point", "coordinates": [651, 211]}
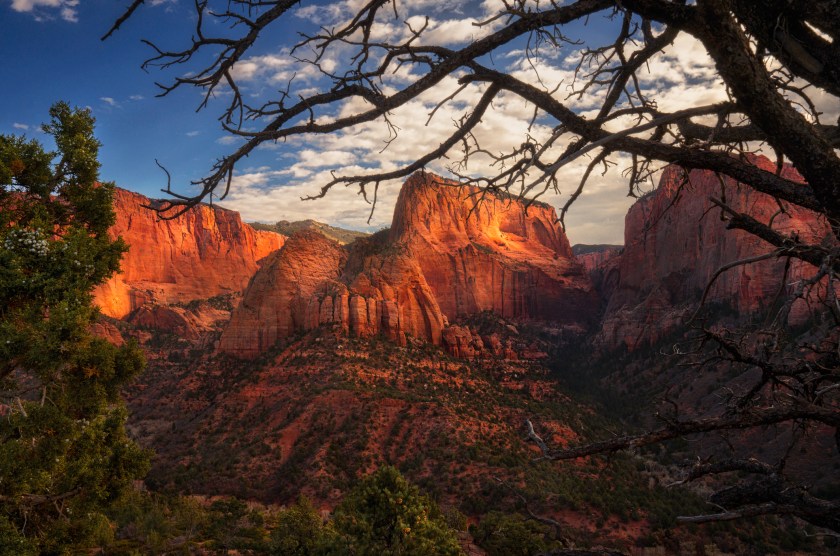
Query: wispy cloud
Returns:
{"type": "Point", "coordinates": [228, 140]}
{"type": "Point", "coordinates": [44, 9]}
{"type": "Point", "coordinates": [136, 97]}
{"type": "Point", "coordinates": [192, 133]}
{"type": "Point", "coordinates": [24, 127]}
{"type": "Point", "coordinates": [681, 76]}
{"type": "Point", "coordinates": [109, 101]}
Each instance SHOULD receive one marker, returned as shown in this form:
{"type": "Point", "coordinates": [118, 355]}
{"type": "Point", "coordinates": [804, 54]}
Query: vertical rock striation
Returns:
{"type": "Point", "coordinates": [204, 252]}
{"type": "Point", "coordinates": [486, 253]}
{"type": "Point", "coordinates": [674, 243]}
{"type": "Point", "coordinates": [445, 257]}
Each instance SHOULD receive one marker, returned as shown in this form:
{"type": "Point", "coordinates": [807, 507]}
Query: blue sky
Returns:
{"type": "Point", "coordinates": [48, 57]}
{"type": "Point", "coordinates": [52, 51]}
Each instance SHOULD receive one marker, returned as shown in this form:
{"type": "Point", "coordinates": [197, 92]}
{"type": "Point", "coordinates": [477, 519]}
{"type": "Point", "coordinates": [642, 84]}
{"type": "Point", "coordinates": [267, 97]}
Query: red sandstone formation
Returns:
{"type": "Point", "coordinates": [205, 252]}
{"type": "Point", "coordinates": [675, 242]}
{"type": "Point", "coordinates": [107, 331]}
{"type": "Point", "coordinates": [485, 253]}
{"type": "Point", "coordinates": [301, 287]}
{"type": "Point", "coordinates": [282, 297]}
{"type": "Point", "coordinates": [448, 257]}
{"type": "Point", "coordinates": [594, 257]}
{"type": "Point", "coordinates": [186, 323]}
{"type": "Point", "coordinates": [392, 284]}
{"type": "Point", "coordinates": [444, 258]}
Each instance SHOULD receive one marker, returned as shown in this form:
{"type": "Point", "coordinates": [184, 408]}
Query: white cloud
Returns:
{"type": "Point", "coordinates": [309, 158]}
{"type": "Point", "coordinates": [228, 140]}
{"type": "Point", "coordinates": [69, 14]}
{"type": "Point", "coordinates": [681, 77]}
{"type": "Point", "coordinates": [136, 97]}
{"type": "Point", "coordinates": [278, 68]}
{"type": "Point", "coordinates": [109, 101]}
{"type": "Point", "coordinates": [67, 9]}
{"type": "Point", "coordinates": [597, 217]}
{"type": "Point", "coordinates": [24, 127]}
{"type": "Point", "coordinates": [192, 133]}
{"type": "Point", "coordinates": [262, 196]}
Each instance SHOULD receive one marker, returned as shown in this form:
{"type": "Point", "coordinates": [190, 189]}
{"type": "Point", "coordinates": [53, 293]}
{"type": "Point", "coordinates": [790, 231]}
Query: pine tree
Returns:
{"type": "Point", "coordinates": [64, 453]}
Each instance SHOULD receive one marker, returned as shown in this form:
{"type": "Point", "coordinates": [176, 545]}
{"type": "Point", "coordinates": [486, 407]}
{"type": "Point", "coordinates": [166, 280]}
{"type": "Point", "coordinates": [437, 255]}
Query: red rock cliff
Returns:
{"type": "Point", "coordinates": [674, 243]}
{"type": "Point", "coordinates": [595, 257]}
{"type": "Point", "coordinates": [206, 251]}
{"type": "Point", "coordinates": [487, 254]}
{"type": "Point", "coordinates": [443, 259]}
{"type": "Point", "coordinates": [277, 300]}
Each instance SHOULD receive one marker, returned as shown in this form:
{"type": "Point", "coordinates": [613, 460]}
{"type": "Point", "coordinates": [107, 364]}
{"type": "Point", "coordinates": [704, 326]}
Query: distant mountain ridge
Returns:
{"type": "Point", "coordinates": [341, 235]}
{"type": "Point", "coordinates": [588, 249]}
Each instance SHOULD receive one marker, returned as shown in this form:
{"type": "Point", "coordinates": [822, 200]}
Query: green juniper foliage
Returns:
{"type": "Point", "coordinates": [385, 514]}
{"type": "Point", "coordinates": [503, 534]}
{"type": "Point", "coordinates": [64, 454]}
{"type": "Point", "coordinates": [300, 531]}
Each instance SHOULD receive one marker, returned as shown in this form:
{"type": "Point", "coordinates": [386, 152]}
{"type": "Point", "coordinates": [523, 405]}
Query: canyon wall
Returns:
{"type": "Point", "coordinates": [674, 243]}
{"type": "Point", "coordinates": [444, 258]}
{"type": "Point", "coordinates": [204, 252]}
{"type": "Point", "coordinates": [595, 257]}
{"type": "Point", "coordinates": [453, 252]}
{"type": "Point", "coordinates": [480, 252]}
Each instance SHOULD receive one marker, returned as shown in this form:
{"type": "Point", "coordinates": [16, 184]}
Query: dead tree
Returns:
{"type": "Point", "coordinates": [774, 57]}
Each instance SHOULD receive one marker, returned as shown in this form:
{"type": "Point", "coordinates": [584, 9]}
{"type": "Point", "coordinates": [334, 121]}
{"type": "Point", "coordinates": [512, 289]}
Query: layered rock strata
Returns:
{"type": "Point", "coordinates": [480, 252]}
{"type": "Point", "coordinates": [205, 252]}
{"type": "Point", "coordinates": [446, 256]}
{"type": "Point", "coordinates": [595, 257]}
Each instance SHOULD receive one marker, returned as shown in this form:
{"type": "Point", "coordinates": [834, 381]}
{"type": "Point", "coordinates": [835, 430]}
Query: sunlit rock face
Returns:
{"type": "Point", "coordinates": [675, 241]}
{"type": "Point", "coordinates": [451, 253]}
{"type": "Point", "coordinates": [281, 299]}
{"type": "Point", "coordinates": [489, 254]}
{"type": "Point", "coordinates": [446, 256]}
{"type": "Point", "coordinates": [204, 252]}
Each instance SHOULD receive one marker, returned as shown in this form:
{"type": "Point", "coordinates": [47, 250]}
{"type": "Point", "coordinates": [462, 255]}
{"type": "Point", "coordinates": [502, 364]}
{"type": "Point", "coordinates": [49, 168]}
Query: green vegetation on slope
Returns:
{"type": "Point", "coordinates": [322, 409]}
{"type": "Point", "coordinates": [383, 514]}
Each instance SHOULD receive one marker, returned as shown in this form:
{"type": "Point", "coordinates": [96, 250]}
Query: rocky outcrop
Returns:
{"type": "Point", "coordinates": [205, 252]}
{"type": "Point", "coordinates": [467, 343]}
{"type": "Point", "coordinates": [186, 323]}
{"type": "Point", "coordinates": [107, 331]}
{"type": "Point", "coordinates": [595, 257]}
{"type": "Point", "coordinates": [389, 279]}
{"type": "Point", "coordinates": [675, 242]}
{"type": "Point", "coordinates": [480, 252]}
{"type": "Point", "coordinates": [306, 285]}
{"type": "Point", "coordinates": [444, 258]}
{"type": "Point", "coordinates": [288, 294]}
